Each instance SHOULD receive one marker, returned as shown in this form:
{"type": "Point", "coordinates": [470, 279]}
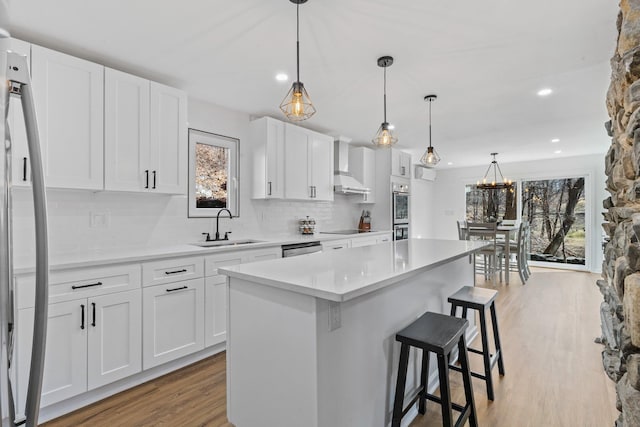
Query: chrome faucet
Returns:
{"type": "Point", "coordinates": [226, 235]}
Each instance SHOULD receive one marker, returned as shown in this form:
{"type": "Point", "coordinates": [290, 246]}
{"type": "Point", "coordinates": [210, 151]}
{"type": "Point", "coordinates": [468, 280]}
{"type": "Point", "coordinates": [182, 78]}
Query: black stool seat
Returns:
{"type": "Point", "coordinates": [480, 299]}
{"type": "Point", "coordinates": [439, 334]}
{"type": "Point", "coordinates": [472, 297]}
{"type": "Point", "coordinates": [434, 332]}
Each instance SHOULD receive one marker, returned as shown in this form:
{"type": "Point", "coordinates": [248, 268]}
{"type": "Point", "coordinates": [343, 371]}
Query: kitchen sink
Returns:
{"type": "Point", "coordinates": [216, 243]}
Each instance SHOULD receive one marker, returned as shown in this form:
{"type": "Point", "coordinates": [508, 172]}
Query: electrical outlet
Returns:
{"type": "Point", "coordinates": [99, 219]}
{"type": "Point", "coordinates": [335, 316]}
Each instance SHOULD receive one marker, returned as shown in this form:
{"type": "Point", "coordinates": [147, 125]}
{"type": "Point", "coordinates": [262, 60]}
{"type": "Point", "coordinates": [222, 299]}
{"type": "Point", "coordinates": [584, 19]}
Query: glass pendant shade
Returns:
{"type": "Point", "coordinates": [430, 157]}
{"type": "Point", "coordinates": [384, 137]}
{"type": "Point", "coordinates": [297, 105]}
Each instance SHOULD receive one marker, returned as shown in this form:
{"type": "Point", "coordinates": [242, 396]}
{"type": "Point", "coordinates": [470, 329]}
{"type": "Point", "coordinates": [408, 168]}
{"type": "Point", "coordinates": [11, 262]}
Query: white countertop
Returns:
{"type": "Point", "coordinates": [348, 273]}
{"type": "Point", "coordinates": [58, 261]}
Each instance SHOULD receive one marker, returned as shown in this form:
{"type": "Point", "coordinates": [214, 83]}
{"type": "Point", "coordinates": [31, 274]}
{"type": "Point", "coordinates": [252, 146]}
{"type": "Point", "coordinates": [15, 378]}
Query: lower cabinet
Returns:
{"type": "Point", "coordinates": [215, 328]}
{"type": "Point", "coordinates": [90, 342]}
{"type": "Point", "coordinates": [173, 321]}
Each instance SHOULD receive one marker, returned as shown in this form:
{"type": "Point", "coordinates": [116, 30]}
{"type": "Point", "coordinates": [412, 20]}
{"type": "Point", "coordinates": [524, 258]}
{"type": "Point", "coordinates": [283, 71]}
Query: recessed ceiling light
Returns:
{"type": "Point", "coordinates": [545, 92]}
{"type": "Point", "coordinates": [392, 127]}
{"type": "Point", "coordinates": [282, 77]}
{"type": "Point", "coordinates": [554, 140]}
{"type": "Point", "coordinates": [557, 152]}
{"type": "Point", "coordinates": [449, 163]}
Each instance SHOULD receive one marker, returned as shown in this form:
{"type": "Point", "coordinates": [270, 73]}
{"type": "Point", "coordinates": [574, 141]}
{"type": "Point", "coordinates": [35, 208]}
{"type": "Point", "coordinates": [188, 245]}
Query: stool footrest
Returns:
{"type": "Point", "coordinates": [473, 374]}
{"type": "Point", "coordinates": [414, 400]}
{"type": "Point", "coordinates": [473, 350]}
{"type": "Point", "coordinates": [436, 399]}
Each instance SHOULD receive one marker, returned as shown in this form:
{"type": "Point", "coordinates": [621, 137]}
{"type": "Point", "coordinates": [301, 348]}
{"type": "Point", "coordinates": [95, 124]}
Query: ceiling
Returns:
{"type": "Point", "coordinates": [485, 61]}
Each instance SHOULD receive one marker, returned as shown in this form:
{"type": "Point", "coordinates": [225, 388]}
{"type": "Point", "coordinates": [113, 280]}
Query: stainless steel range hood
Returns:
{"type": "Point", "coordinates": [343, 181]}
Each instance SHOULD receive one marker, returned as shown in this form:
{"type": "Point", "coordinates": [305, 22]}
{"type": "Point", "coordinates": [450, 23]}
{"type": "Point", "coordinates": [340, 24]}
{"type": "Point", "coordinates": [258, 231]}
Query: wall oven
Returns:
{"type": "Point", "coordinates": [400, 211]}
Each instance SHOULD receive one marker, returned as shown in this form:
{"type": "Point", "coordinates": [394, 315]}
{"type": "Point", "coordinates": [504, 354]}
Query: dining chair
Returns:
{"type": "Point", "coordinates": [490, 256]}
{"type": "Point", "coordinates": [518, 250]}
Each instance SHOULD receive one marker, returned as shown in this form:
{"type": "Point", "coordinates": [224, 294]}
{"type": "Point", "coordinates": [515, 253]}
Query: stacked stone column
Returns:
{"type": "Point", "coordinates": [620, 285]}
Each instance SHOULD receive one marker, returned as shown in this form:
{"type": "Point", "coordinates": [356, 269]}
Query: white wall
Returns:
{"type": "Point", "coordinates": [138, 219]}
{"type": "Point", "coordinates": [449, 202]}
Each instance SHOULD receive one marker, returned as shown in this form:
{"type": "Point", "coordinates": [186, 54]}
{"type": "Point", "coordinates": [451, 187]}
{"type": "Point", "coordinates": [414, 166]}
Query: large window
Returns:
{"type": "Point", "coordinates": [555, 209]}
{"type": "Point", "coordinates": [213, 169]}
{"type": "Point", "coordinates": [491, 205]}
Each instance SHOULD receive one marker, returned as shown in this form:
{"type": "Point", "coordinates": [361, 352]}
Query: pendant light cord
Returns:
{"type": "Point", "coordinates": [298, 42]}
{"type": "Point", "coordinates": [430, 101]}
{"type": "Point", "coordinates": [385, 94]}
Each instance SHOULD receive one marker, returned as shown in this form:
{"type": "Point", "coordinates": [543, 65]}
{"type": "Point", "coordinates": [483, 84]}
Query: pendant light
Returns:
{"type": "Point", "coordinates": [492, 184]}
{"type": "Point", "coordinates": [430, 158]}
{"type": "Point", "coordinates": [297, 105]}
{"type": "Point", "coordinates": [384, 137]}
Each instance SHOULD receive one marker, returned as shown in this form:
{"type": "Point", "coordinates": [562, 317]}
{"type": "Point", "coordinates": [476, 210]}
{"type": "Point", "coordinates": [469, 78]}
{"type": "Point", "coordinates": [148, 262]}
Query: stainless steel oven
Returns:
{"type": "Point", "coordinates": [401, 232]}
{"type": "Point", "coordinates": [400, 210]}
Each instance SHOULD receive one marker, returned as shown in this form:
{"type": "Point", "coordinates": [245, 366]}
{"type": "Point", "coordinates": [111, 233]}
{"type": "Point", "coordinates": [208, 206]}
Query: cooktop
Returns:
{"type": "Point", "coordinates": [354, 231]}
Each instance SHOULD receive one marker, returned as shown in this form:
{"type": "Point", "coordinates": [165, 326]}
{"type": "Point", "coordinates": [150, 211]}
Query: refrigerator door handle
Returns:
{"type": "Point", "coordinates": [18, 75]}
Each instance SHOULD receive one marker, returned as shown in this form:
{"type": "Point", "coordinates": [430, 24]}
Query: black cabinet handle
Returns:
{"type": "Point", "coordinates": [184, 270]}
{"type": "Point", "coordinates": [82, 316]}
{"type": "Point", "coordinates": [93, 306]}
{"type": "Point", "coordinates": [177, 289]}
{"type": "Point", "coordinates": [90, 285]}
{"type": "Point", "coordinates": [154, 180]}
{"type": "Point", "coordinates": [24, 168]}
{"type": "Point", "coordinates": [146, 185]}
{"type": "Point", "coordinates": [269, 184]}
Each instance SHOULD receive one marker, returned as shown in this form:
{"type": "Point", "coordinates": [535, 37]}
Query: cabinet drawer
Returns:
{"type": "Point", "coordinates": [336, 244]}
{"type": "Point", "coordinates": [172, 270]}
{"type": "Point", "coordinates": [66, 285]}
{"type": "Point", "coordinates": [213, 262]}
{"type": "Point", "coordinates": [263, 254]}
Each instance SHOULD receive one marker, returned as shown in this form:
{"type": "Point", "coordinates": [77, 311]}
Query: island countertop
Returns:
{"type": "Point", "coordinates": [349, 273]}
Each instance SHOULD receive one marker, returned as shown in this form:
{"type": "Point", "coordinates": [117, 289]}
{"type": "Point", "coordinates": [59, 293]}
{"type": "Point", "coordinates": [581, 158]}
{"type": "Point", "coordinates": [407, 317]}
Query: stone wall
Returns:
{"type": "Point", "coordinates": [620, 285]}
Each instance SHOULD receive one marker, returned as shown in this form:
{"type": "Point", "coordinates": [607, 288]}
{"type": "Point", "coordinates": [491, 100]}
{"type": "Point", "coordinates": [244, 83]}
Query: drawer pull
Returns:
{"type": "Point", "coordinates": [90, 285]}
{"type": "Point", "coordinates": [177, 289]}
{"type": "Point", "coordinates": [338, 247]}
{"type": "Point", "coordinates": [184, 270]}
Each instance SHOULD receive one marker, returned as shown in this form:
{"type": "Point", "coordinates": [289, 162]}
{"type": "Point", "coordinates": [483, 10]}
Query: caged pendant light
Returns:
{"type": "Point", "coordinates": [384, 137]}
{"type": "Point", "coordinates": [430, 158]}
{"type": "Point", "coordinates": [297, 105]}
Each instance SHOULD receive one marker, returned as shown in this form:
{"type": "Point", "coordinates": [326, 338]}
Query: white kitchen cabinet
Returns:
{"type": "Point", "coordinates": [308, 172]}
{"type": "Point", "coordinates": [172, 321]}
{"type": "Point", "coordinates": [114, 337]}
{"type": "Point", "coordinates": [384, 238]}
{"type": "Point", "coordinates": [267, 141]}
{"type": "Point", "coordinates": [215, 310]}
{"type": "Point", "coordinates": [336, 244]}
{"type": "Point", "coordinates": [400, 163]}
{"type": "Point", "coordinates": [363, 241]}
{"type": "Point", "coordinates": [69, 94]}
{"type": "Point", "coordinates": [168, 140]}
{"type": "Point", "coordinates": [90, 342]}
{"type": "Point", "coordinates": [362, 163]}
{"type": "Point", "coordinates": [172, 270]}
{"type": "Point", "coordinates": [126, 132]}
{"type": "Point", "coordinates": [21, 169]}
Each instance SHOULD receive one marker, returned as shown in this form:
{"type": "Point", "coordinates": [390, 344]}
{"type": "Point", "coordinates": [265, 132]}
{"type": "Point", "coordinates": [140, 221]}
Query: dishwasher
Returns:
{"type": "Point", "coordinates": [296, 249]}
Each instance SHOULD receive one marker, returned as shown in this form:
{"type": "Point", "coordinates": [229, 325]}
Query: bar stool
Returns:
{"type": "Point", "coordinates": [440, 334]}
{"type": "Point", "coordinates": [469, 297]}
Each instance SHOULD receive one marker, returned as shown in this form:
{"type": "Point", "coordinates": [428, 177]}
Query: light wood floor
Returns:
{"type": "Point", "coordinates": [554, 375]}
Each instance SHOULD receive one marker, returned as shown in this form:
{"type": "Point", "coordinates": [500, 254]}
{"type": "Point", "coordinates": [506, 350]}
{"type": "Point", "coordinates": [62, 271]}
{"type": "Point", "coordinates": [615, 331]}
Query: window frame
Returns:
{"type": "Point", "coordinates": [233, 185]}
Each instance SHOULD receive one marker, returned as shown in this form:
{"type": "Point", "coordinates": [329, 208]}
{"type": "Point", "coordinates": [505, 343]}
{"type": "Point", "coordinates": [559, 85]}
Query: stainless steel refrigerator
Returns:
{"type": "Point", "coordinates": [15, 82]}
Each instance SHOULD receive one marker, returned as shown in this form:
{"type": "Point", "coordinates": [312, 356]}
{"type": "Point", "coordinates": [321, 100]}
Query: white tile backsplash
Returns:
{"type": "Point", "coordinates": [134, 220]}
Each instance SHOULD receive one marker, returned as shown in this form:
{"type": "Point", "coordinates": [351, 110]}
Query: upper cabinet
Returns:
{"type": "Point", "coordinates": [267, 137]}
{"type": "Point", "coordinates": [68, 93]}
{"type": "Point", "coordinates": [126, 131]}
{"type": "Point", "coordinates": [291, 162]}
{"type": "Point", "coordinates": [168, 139]}
{"type": "Point", "coordinates": [400, 163]}
{"type": "Point", "coordinates": [21, 170]}
{"type": "Point", "coordinates": [145, 135]}
{"type": "Point", "coordinates": [308, 164]}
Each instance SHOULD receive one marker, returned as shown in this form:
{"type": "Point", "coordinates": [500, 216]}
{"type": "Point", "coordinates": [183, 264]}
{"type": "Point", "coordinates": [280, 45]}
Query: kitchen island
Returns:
{"type": "Point", "coordinates": [311, 339]}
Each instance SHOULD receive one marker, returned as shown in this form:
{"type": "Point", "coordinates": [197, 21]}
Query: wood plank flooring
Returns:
{"type": "Point", "coordinates": [554, 375]}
